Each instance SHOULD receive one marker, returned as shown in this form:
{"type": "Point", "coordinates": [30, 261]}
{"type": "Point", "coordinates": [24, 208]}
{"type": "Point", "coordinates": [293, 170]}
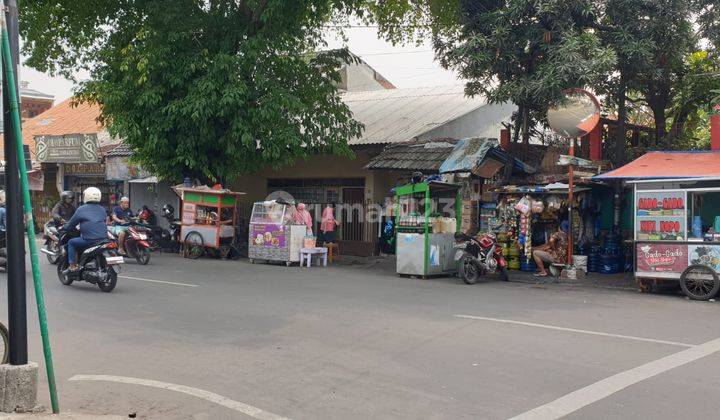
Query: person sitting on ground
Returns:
{"type": "Point", "coordinates": [552, 252]}
{"type": "Point", "coordinates": [121, 216]}
{"type": "Point", "coordinates": [64, 209]}
{"type": "Point", "coordinates": [93, 229]}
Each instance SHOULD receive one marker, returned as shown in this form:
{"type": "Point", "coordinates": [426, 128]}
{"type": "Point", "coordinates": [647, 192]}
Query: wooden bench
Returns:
{"type": "Point", "coordinates": [306, 255]}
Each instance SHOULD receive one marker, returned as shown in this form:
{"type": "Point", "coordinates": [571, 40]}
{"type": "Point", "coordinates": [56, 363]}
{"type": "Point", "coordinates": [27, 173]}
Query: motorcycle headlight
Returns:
{"type": "Point", "coordinates": [142, 236]}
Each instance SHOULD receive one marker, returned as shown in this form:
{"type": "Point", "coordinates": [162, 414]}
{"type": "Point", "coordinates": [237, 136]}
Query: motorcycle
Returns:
{"type": "Point", "coordinates": [478, 256]}
{"type": "Point", "coordinates": [98, 264]}
{"type": "Point", "coordinates": [165, 239]}
{"type": "Point", "coordinates": [51, 247]}
{"type": "Point", "coordinates": [137, 243]}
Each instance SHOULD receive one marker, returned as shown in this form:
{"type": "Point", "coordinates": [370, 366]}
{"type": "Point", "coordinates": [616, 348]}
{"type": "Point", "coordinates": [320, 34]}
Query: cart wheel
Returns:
{"type": "Point", "coordinates": [699, 282]}
{"type": "Point", "coordinates": [194, 245]}
{"type": "Point", "coordinates": [224, 251]}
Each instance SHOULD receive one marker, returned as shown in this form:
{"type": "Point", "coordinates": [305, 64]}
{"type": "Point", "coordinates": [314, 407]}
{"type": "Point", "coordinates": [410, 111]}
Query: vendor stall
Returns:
{"type": "Point", "coordinates": [677, 233]}
{"type": "Point", "coordinates": [273, 234]}
{"type": "Point", "coordinates": [208, 220]}
{"type": "Point", "coordinates": [426, 224]}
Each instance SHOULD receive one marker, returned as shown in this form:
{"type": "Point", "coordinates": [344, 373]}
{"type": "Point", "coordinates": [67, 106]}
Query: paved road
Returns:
{"type": "Point", "coordinates": [239, 341]}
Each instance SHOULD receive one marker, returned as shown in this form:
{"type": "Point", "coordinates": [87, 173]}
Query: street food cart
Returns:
{"type": "Point", "coordinates": [428, 215]}
{"type": "Point", "coordinates": [677, 233]}
{"type": "Point", "coordinates": [273, 234]}
{"type": "Point", "coordinates": [208, 220]}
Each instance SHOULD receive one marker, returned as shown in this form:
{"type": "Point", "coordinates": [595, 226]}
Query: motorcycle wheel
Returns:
{"type": "Point", "coordinates": [63, 265]}
{"type": "Point", "coordinates": [5, 343]}
{"type": "Point", "coordinates": [111, 282]}
{"type": "Point", "coordinates": [52, 248]}
{"type": "Point", "coordinates": [469, 270]}
{"type": "Point", "coordinates": [142, 256]}
{"type": "Point", "coordinates": [503, 271]}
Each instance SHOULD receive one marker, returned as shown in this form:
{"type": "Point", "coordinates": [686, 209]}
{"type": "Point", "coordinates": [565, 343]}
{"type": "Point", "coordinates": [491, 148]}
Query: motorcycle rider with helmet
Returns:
{"type": "Point", "coordinates": [92, 219]}
{"type": "Point", "coordinates": [64, 209]}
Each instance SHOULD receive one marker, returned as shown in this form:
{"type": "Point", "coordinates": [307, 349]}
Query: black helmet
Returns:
{"type": "Point", "coordinates": [67, 194]}
{"type": "Point", "coordinates": [168, 210]}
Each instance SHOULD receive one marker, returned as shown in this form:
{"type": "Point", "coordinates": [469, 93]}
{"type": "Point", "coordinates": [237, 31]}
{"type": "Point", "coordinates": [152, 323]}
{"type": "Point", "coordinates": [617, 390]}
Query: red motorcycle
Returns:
{"type": "Point", "coordinates": [478, 256]}
{"type": "Point", "coordinates": [137, 243]}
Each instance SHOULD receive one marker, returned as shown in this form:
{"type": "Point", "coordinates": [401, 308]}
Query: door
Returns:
{"type": "Point", "coordinates": [352, 213]}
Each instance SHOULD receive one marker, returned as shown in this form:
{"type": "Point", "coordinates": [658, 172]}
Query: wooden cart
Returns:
{"type": "Point", "coordinates": [208, 221]}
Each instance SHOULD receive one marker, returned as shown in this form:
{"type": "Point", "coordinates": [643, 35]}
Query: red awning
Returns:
{"type": "Point", "coordinates": [658, 165]}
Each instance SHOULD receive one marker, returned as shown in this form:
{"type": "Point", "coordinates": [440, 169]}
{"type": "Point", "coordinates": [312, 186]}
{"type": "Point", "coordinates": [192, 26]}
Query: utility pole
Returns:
{"type": "Point", "coordinates": [17, 301]}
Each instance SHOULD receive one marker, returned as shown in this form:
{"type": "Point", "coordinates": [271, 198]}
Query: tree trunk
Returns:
{"type": "Point", "coordinates": [660, 129]}
{"type": "Point", "coordinates": [621, 130]}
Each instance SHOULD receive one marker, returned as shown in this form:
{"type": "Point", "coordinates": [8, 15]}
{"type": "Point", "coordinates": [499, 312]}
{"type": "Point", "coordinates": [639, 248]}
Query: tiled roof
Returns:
{"type": "Point", "coordinates": [424, 156]}
{"type": "Point", "coordinates": [63, 118]}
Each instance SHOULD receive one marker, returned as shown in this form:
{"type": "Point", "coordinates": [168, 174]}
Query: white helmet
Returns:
{"type": "Point", "coordinates": [92, 195]}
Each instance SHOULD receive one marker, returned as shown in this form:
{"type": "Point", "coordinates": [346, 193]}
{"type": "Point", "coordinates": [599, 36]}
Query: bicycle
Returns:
{"type": "Point", "coordinates": [4, 344]}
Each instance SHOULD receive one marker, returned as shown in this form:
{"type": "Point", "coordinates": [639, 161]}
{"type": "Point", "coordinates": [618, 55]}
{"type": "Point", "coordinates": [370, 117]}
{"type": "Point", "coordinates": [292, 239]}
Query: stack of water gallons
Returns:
{"type": "Point", "coordinates": [608, 258]}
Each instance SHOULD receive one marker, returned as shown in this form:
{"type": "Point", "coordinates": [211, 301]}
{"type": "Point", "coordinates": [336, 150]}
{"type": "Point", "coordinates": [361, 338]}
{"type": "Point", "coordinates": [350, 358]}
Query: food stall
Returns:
{"type": "Point", "coordinates": [426, 224]}
{"type": "Point", "coordinates": [677, 233]}
{"type": "Point", "coordinates": [273, 235]}
{"type": "Point", "coordinates": [208, 220]}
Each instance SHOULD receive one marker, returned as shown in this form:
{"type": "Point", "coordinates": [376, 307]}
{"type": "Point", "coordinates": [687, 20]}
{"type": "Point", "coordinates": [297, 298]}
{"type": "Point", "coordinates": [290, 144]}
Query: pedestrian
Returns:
{"type": "Point", "coordinates": [328, 223]}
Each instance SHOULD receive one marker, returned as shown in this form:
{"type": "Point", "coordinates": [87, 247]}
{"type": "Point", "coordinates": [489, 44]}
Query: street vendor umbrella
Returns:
{"type": "Point", "coordinates": [575, 116]}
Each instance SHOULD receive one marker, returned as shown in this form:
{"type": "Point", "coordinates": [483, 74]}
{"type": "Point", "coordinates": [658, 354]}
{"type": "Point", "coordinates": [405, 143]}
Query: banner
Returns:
{"type": "Point", "coordinates": [705, 255]}
{"type": "Point", "coordinates": [267, 235]}
{"type": "Point", "coordinates": [660, 215]}
{"type": "Point", "coordinates": [70, 148]}
{"type": "Point", "coordinates": [661, 258]}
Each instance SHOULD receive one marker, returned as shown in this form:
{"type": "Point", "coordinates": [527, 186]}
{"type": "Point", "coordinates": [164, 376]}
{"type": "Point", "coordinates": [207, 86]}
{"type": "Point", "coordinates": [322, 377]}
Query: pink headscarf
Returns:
{"type": "Point", "coordinates": [303, 216]}
{"type": "Point", "coordinates": [328, 220]}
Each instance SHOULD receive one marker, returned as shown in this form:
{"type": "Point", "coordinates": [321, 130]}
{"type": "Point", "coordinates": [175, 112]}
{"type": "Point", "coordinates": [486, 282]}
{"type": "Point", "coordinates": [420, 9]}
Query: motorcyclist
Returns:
{"type": "Point", "coordinates": [64, 209]}
{"type": "Point", "coordinates": [92, 218]}
{"type": "Point", "coordinates": [121, 215]}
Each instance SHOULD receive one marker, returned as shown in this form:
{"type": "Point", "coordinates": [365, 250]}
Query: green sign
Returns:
{"type": "Point", "coordinates": [70, 148]}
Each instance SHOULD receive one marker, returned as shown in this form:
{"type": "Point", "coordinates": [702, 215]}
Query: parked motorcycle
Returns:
{"type": "Point", "coordinates": [99, 264]}
{"type": "Point", "coordinates": [478, 256]}
{"type": "Point", "coordinates": [166, 239]}
{"type": "Point", "coordinates": [3, 254]}
{"type": "Point", "coordinates": [51, 248]}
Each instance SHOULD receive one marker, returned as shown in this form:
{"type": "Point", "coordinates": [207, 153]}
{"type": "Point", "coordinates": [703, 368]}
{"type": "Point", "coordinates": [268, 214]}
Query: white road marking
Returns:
{"type": "Point", "coordinates": [595, 392]}
{"type": "Point", "coordinates": [553, 327]}
{"type": "Point", "coordinates": [195, 392]}
{"type": "Point", "coordinates": [158, 281]}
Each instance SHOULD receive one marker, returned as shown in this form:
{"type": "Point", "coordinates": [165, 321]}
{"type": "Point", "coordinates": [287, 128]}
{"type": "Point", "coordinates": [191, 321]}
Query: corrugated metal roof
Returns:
{"type": "Point", "coordinates": [424, 156]}
{"type": "Point", "coordinates": [655, 165]}
{"type": "Point", "coordinates": [120, 150]}
{"type": "Point", "coordinates": [467, 154]}
{"type": "Point", "coordinates": [400, 115]}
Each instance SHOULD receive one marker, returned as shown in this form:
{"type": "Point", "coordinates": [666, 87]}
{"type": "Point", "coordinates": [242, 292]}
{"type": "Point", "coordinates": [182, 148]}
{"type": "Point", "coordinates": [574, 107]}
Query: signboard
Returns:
{"type": "Point", "coordinates": [661, 258]}
{"type": "Point", "coordinates": [91, 169]}
{"type": "Point", "coordinates": [706, 255]}
{"type": "Point", "coordinates": [188, 213]}
{"type": "Point", "coordinates": [70, 148]}
{"type": "Point", "coordinates": [267, 235]}
{"type": "Point", "coordinates": [660, 215]}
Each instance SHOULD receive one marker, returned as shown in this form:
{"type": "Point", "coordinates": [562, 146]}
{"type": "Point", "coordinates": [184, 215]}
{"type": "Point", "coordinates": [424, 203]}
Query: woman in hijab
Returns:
{"type": "Point", "coordinates": [302, 216]}
{"type": "Point", "coordinates": [328, 223]}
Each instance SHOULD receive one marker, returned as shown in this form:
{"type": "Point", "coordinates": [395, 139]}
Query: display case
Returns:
{"type": "Point", "coordinates": [272, 234]}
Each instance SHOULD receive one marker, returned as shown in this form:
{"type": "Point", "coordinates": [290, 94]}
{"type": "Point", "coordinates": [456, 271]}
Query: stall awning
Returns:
{"type": "Point", "coordinates": [667, 165]}
{"type": "Point", "coordinates": [148, 180]}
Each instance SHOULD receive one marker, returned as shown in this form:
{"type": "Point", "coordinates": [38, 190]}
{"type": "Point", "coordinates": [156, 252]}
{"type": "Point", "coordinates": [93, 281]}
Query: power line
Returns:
{"type": "Point", "coordinates": [394, 53]}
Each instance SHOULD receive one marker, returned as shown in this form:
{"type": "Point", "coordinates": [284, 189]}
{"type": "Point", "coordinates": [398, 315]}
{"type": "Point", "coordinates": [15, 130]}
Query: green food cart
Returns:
{"type": "Point", "coordinates": [428, 215]}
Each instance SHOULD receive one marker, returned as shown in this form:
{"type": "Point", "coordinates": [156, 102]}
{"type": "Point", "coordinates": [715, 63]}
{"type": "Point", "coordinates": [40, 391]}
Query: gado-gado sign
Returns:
{"type": "Point", "coordinates": [71, 148]}
{"type": "Point", "coordinates": [660, 215]}
{"type": "Point", "coordinates": [662, 258]}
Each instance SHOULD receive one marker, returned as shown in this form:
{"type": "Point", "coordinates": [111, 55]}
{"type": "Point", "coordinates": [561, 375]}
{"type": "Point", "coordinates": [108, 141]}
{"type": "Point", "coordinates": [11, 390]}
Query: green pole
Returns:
{"type": "Point", "coordinates": [10, 90]}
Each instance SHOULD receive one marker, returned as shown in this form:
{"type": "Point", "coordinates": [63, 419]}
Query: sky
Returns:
{"type": "Point", "coordinates": [404, 66]}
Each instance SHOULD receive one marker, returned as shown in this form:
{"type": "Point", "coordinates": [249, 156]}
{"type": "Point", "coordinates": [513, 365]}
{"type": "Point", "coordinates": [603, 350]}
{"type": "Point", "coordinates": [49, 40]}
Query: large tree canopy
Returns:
{"type": "Point", "coordinates": [201, 88]}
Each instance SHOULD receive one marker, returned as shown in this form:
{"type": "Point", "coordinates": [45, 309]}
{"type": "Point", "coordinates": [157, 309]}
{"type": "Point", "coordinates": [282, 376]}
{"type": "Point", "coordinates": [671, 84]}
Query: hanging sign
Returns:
{"type": "Point", "coordinates": [69, 148]}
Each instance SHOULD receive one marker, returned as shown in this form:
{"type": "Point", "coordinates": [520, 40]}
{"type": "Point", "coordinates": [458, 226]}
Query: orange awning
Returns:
{"type": "Point", "coordinates": [659, 165]}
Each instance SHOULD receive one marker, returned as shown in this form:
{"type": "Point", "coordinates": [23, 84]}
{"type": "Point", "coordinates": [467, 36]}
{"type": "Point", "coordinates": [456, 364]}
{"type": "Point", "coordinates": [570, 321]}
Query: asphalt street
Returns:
{"type": "Point", "coordinates": [210, 339]}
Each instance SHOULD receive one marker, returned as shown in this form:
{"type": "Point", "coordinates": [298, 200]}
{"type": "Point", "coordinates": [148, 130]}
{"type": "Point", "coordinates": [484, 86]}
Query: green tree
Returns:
{"type": "Point", "coordinates": [524, 51]}
{"type": "Point", "coordinates": [202, 88]}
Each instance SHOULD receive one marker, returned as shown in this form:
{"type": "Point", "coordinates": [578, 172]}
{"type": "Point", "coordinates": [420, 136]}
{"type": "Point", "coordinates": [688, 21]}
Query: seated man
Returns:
{"type": "Point", "coordinates": [91, 218]}
{"type": "Point", "coordinates": [121, 216]}
{"type": "Point", "coordinates": [553, 252]}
